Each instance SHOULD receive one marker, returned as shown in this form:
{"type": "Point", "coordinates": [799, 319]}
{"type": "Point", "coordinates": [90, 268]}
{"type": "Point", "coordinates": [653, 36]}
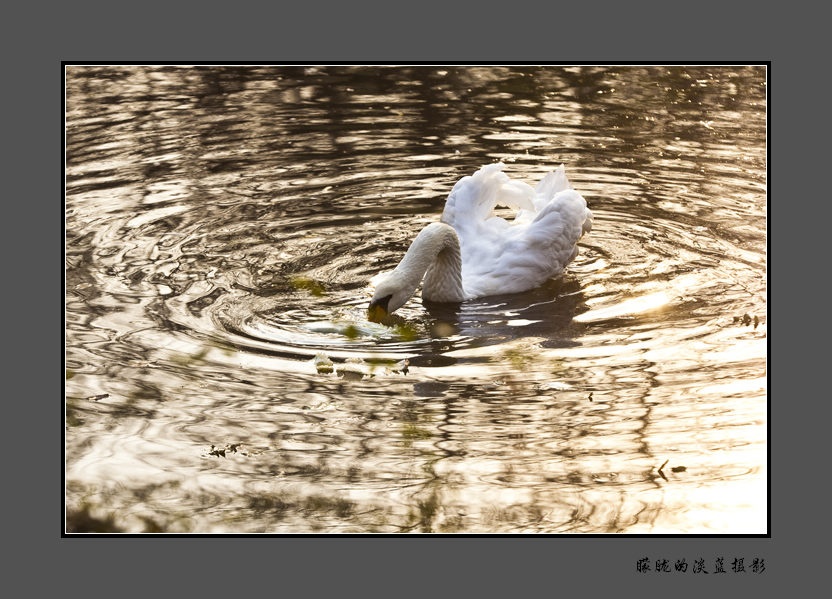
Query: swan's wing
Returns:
{"type": "Point", "coordinates": [473, 198]}
{"type": "Point", "coordinates": [508, 257]}
{"type": "Point", "coordinates": [550, 240]}
{"type": "Point", "coordinates": [526, 255]}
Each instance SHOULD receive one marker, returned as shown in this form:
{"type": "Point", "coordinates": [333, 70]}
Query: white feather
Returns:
{"type": "Point", "coordinates": [497, 256]}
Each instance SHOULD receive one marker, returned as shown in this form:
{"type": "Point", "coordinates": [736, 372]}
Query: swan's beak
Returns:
{"type": "Point", "coordinates": [377, 311]}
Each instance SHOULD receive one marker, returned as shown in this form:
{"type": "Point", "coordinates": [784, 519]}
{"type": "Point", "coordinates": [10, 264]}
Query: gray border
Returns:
{"type": "Point", "coordinates": [504, 566]}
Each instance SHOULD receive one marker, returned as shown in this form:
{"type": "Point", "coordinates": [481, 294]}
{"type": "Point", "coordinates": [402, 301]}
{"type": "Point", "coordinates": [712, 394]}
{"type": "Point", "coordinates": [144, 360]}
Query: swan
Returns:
{"type": "Point", "coordinates": [471, 253]}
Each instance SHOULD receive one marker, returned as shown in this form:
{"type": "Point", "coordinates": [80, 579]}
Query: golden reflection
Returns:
{"type": "Point", "coordinates": [221, 224]}
{"type": "Point", "coordinates": [739, 387]}
{"type": "Point", "coordinates": [636, 305]}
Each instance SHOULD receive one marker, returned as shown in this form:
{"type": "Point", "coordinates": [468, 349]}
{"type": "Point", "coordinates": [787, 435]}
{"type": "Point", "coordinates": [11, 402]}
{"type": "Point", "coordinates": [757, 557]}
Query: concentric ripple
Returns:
{"type": "Point", "coordinates": [222, 228]}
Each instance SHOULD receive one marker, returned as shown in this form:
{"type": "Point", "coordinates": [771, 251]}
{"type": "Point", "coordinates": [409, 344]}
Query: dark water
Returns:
{"type": "Point", "coordinates": [222, 225]}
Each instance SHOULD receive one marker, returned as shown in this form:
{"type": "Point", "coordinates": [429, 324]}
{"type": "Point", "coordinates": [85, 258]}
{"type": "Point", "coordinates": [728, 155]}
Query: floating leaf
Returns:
{"type": "Point", "coordinates": [307, 284]}
{"type": "Point", "coordinates": [519, 357]}
{"type": "Point", "coordinates": [188, 360]}
{"type": "Point", "coordinates": [351, 332]}
{"type": "Point", "coordinates": [411, 432]}
{"type": "Point", "coordinates": [405, 332]}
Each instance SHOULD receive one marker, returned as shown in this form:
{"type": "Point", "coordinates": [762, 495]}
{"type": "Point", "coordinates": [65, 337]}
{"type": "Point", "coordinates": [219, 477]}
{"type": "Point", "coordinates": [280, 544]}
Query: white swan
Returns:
{"type": "Point", "coordinates": [472, 253]}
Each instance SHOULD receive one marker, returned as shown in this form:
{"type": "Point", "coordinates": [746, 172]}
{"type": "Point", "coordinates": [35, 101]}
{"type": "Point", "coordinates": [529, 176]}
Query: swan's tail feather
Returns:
{"type": "Point", "coordinates": [587, 226]}
{"type": "Point", "coordinates": [559, 227]}
{"type": "Point", "coordinates": [570, 207]}
{"type": "Point", "coordinates": [553, 183]}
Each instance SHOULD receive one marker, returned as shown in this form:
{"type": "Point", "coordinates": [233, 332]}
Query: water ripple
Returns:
{"type": "Point", "coordinates": [222, 227]}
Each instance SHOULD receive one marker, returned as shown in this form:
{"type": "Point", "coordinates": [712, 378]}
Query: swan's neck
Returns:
{"type": "Point", "coordinates": [434, 255]}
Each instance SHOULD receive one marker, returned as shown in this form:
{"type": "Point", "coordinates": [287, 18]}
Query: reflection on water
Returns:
{"type": "Point", "coordinates": [222, 225]}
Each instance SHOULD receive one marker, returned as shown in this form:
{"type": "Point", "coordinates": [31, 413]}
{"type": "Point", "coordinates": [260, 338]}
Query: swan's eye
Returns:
{"type": "Point", "coordinates": [378, 308]}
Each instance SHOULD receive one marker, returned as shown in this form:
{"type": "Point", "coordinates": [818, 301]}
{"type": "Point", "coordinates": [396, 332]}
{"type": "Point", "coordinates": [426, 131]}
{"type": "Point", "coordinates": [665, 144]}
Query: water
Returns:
{"type": "Point", "coordinates": [222, 225]}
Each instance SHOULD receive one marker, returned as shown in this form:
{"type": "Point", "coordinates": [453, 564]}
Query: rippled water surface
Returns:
{"type": "Point", "coordinates": [222, 225]}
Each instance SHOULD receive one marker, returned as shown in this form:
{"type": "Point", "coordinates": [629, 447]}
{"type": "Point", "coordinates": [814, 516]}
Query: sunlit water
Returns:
{"type": "Point", "coordinates": [222, 225]}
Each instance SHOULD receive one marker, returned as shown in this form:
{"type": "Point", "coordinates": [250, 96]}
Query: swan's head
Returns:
{"type": "Point", "coordinates": [391, 294]}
